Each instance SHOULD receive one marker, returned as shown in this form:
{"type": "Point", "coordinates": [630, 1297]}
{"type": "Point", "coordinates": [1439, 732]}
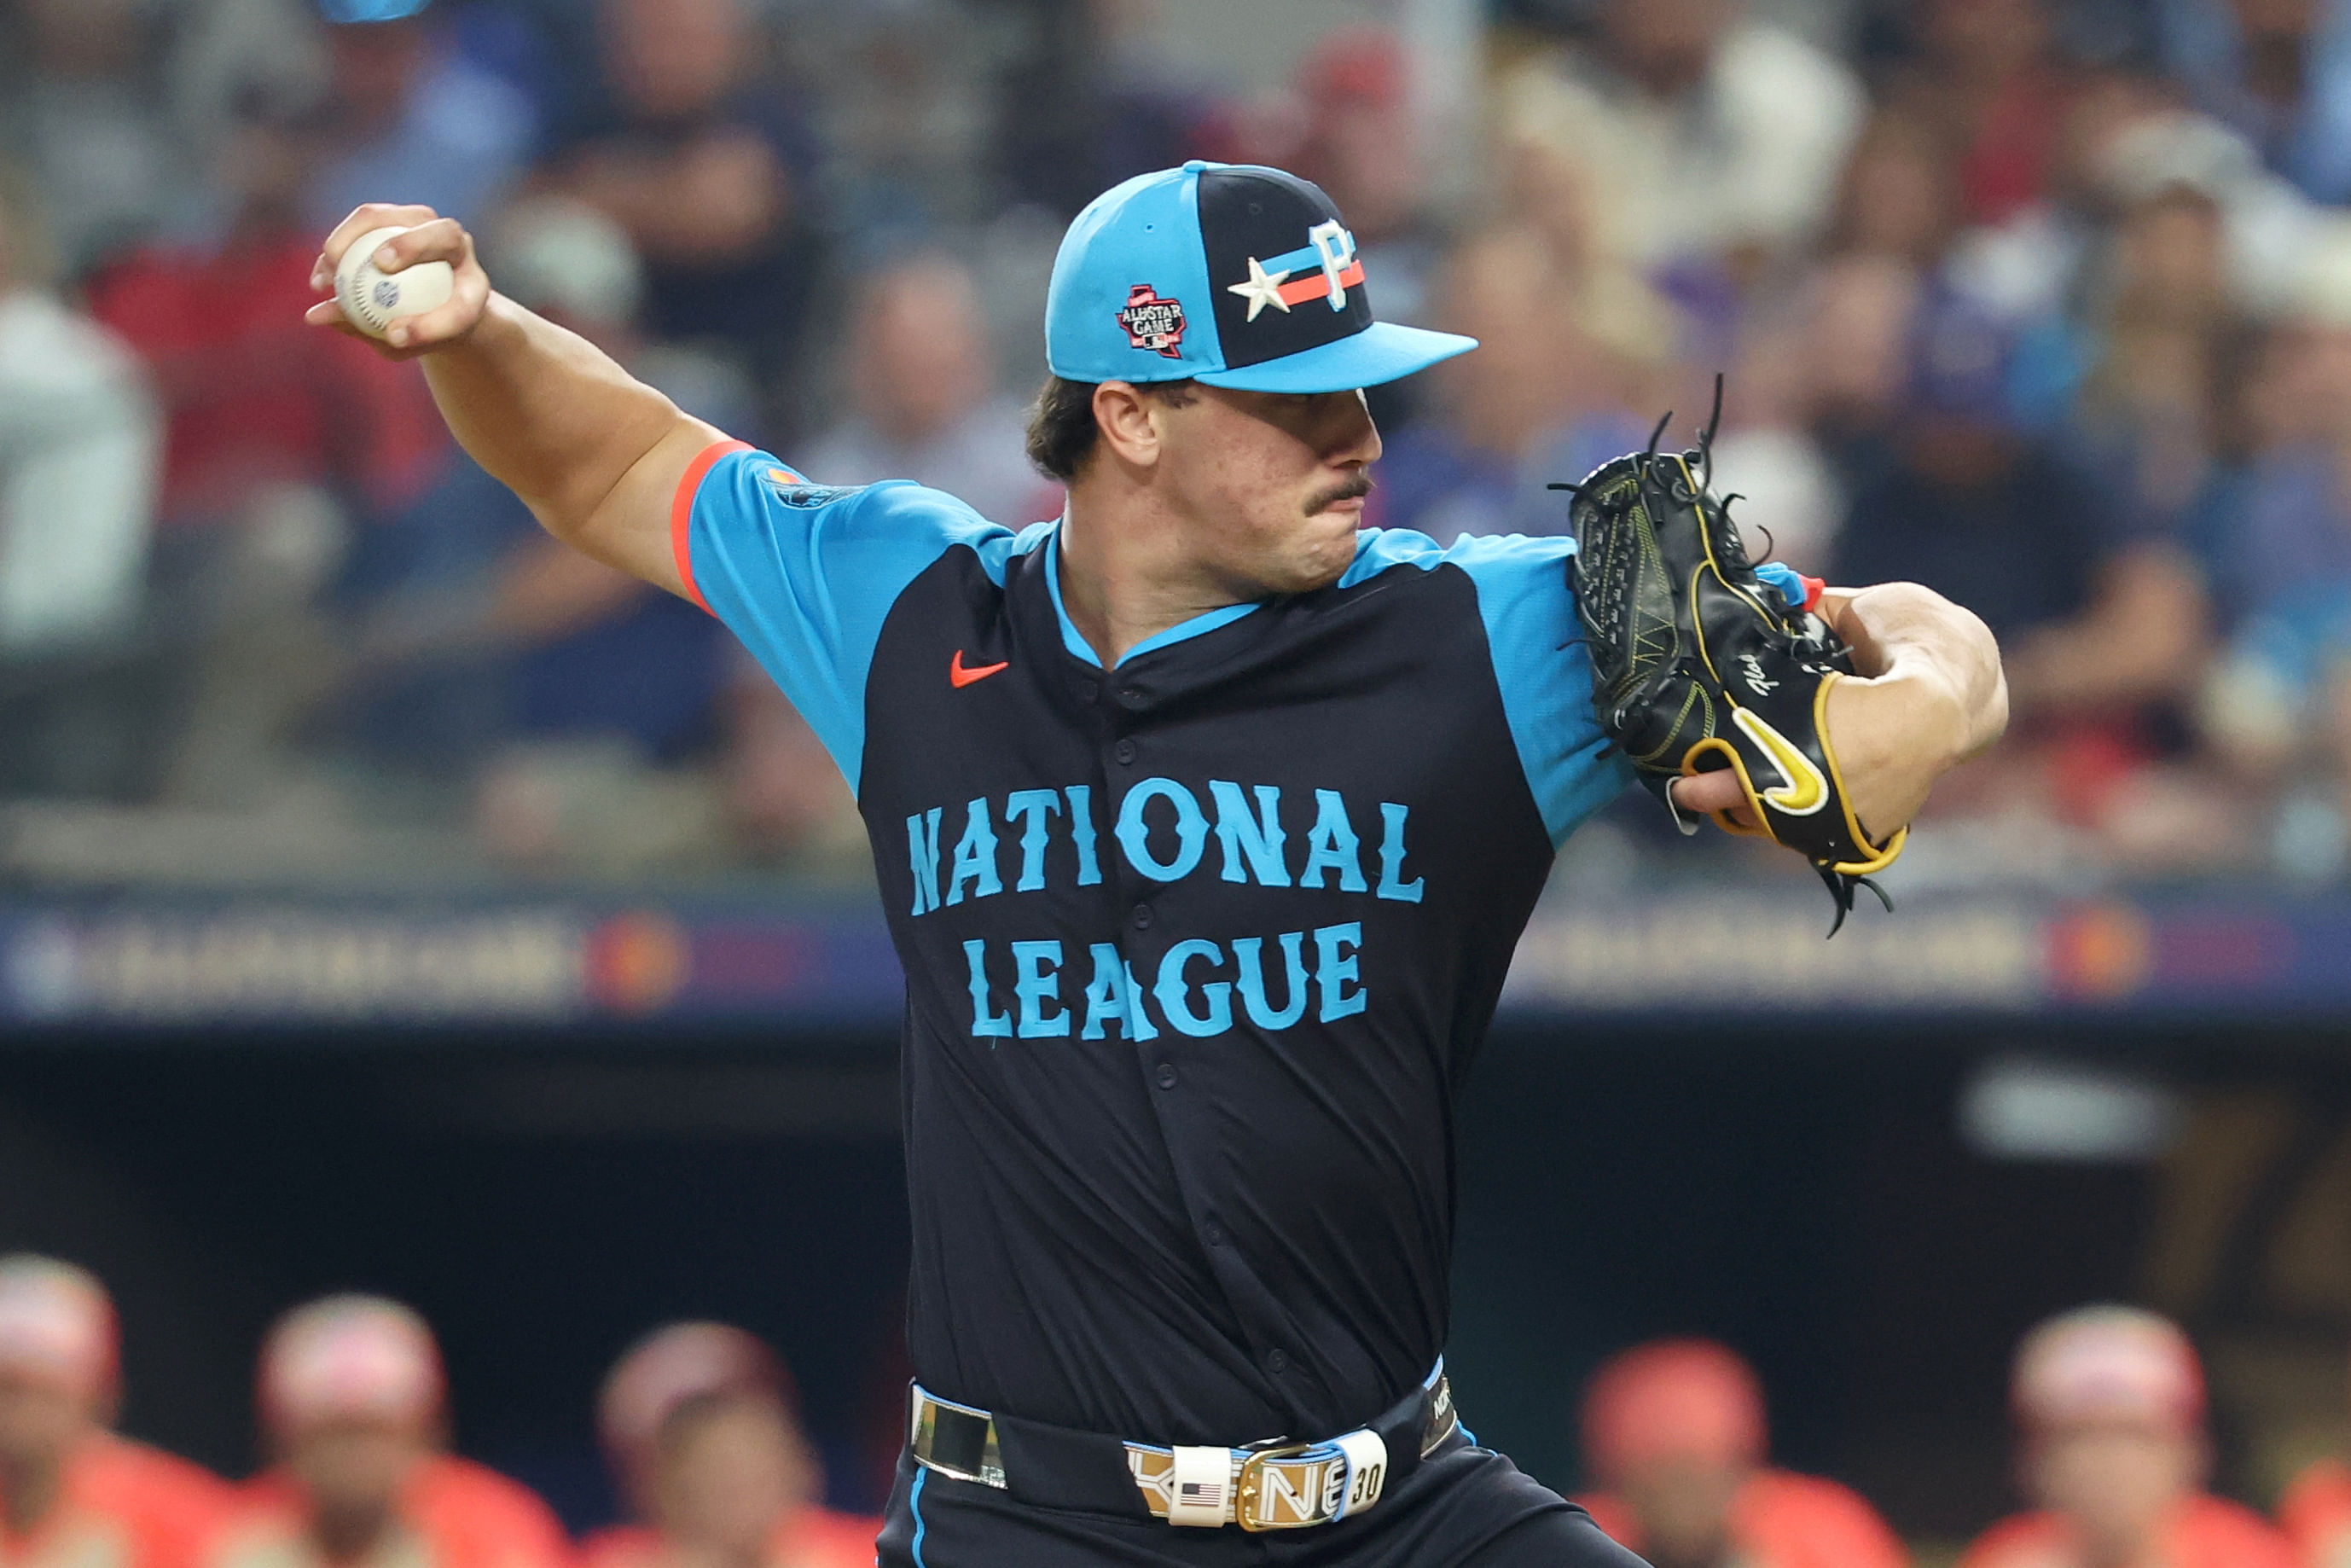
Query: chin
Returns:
{"type": "Point", "coordinates": [1326, 563]}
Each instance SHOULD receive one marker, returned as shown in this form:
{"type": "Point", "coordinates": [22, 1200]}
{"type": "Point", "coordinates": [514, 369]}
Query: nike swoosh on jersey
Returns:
{"type": "Point", "coordinates": [960, 676]}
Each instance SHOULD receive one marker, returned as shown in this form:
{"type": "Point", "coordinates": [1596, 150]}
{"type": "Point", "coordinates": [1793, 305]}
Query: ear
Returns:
{"type": "Point", "coordinates": [1123, 414]}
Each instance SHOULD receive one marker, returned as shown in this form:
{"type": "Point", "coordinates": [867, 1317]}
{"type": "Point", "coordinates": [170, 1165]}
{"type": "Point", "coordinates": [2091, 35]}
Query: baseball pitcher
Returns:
{"type": "Point", "coordinates": [1207, 822]}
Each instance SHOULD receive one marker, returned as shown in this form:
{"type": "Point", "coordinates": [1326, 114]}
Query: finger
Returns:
{"type": "Point", "coordinates": [364, 219]}
{"type": "Point", "coordinates": [448, 322]}
{"type": "Point", "coordinates": [440, 239]}
{"type": "Point", "coordinates": [329, 315]}
{"type": "Point", "coordinates": [1709, 793]}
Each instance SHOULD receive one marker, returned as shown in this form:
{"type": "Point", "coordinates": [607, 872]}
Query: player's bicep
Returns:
{"type": "Point", "coordinates": [634, 528]}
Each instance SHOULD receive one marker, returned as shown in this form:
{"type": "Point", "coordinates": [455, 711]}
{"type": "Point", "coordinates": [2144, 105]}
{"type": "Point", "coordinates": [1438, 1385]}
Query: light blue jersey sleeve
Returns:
{"type": "Point", "coordinates": [805, 574]}
{"type": "Point", "coordinates": [1540, 663]}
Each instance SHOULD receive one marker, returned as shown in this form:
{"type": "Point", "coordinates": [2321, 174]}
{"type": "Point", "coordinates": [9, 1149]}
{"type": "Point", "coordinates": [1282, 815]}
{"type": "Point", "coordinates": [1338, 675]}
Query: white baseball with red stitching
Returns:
{"type": "Point", "coordinates": [372, 299]}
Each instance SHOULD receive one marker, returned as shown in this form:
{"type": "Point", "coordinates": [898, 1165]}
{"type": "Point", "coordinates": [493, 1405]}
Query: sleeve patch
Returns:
{"type": "Point", "coordinates": [801, 495]}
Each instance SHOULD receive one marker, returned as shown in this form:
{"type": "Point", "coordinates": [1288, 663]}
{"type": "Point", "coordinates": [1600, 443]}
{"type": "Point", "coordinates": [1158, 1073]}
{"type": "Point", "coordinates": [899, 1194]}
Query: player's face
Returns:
{"type": "Point", "coordinates": [1273, 484]}
{"type": "Point", "coordinates": [726, 1477]}
{"type": "Point", "coordinates": [352, 1470]}
{"type": "Point", "coordinates": [39, 1422]}
{"type": "Point", "coordinates": [1684, 1506]}
{"type": "Point", "coordinates": [2116, 1480]}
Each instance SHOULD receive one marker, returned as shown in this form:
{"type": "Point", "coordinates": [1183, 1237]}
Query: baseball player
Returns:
{"type": "Point", "coordinates": [1206, 823]}
{"type": "Point", "coordinates": [2316, 1512]}
{"type": "Point", "coordinates": [701, 1425]}
{"type": "Point", "coordinates": [1675, 1430]}
{"type": "Point", "coordinates": [72, 1493]}
{"type": "Point", "coordinates": [2109, 1404]}
{"type": "Point", "coordinates": [354, 1405]}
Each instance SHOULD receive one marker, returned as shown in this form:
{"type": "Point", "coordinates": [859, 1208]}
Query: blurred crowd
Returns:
{"type": "Point", "coordinates": [699, 1424]}
{"type": "Point", "coordinates": [2044, 303]}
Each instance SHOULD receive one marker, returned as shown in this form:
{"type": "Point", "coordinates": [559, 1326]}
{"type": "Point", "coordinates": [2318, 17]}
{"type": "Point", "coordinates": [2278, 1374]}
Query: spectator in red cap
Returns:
{"type": "Point", "coordinates": [699, 1422]}
{"type": "Point", "coordinates": [2109, 1403]}
{"type": "Point", "coordinates": [2316, 1513]}
{"type": "Point", "coordinates": [72, 1494]}
{"type": "Point", "coordinates": [1675, 1431]}
{"type": "Point", "coordinates": [352, 1400]}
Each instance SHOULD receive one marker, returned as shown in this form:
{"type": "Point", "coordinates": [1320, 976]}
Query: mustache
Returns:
{"type": "Point", "coordinates": [1361, 485]}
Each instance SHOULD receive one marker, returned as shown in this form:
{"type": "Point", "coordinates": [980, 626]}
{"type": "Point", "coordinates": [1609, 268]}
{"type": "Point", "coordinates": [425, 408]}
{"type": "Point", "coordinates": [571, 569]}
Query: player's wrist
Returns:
{"type": "Point", "coordinates": [496, 336]}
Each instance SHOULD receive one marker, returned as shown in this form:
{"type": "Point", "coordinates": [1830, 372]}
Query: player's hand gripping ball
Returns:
{"type": "Point", "coordinates": [373, 298]}
{"type": "Point", "coordinates": [1700, 665]}
{"type": "Point", "coordinates": [431, 297]}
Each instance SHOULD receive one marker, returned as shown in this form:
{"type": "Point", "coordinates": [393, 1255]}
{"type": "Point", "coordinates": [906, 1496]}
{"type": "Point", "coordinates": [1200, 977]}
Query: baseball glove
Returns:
{"type": "Point", "coordinates": [1701, 663]}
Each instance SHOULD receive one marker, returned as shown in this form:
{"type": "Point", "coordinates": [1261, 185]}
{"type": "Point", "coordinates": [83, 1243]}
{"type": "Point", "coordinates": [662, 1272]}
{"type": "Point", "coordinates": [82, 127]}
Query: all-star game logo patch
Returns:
{"type": "Point", "coordinates": [793, 490]}
{"type": "Point", "coordinates": [1152, 322]}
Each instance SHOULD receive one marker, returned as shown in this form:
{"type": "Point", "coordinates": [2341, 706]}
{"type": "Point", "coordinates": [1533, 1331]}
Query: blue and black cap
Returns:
{"type": "Point", "coordinates": [1230, 274]}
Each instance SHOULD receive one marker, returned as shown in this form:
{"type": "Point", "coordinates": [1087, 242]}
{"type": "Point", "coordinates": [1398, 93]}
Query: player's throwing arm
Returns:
{"type": "Point", "coordinates": [595, 454]}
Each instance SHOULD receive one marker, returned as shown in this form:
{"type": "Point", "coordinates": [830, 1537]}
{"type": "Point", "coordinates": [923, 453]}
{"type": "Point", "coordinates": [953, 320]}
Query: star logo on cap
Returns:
{"type": "Point", "coordinates": [1261, 288]}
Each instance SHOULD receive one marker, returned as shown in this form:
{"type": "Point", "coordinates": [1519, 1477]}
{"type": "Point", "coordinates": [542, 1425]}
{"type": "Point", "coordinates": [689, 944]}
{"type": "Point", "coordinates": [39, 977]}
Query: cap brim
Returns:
{"type": "Point", "coordinates": [1382, 352]}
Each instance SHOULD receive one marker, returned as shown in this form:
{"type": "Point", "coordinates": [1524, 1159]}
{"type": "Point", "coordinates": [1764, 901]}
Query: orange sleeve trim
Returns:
{"type": "Point", "coordinates": [680, 512]}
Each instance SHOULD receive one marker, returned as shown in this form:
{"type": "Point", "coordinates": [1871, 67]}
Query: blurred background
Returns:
{"type": "Point", "coordinates": [392, 902]}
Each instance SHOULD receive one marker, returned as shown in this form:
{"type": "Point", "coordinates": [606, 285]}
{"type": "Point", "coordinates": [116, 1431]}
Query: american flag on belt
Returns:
{"type": "Point", "coordinates": [1206, 1494]}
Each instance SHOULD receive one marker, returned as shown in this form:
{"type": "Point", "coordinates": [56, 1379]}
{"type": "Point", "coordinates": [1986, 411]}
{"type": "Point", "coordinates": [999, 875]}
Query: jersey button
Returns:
{"type": "Point", "coordinates": [1143, 917]}
{"type": "Point", "coordinates": [1276, 1363]}
{"type": "Point", "coordinates": [1125, 752]}
{"type": "Point", "coordinates": [1213, 1233]}
{"type": "Point", "coordinates": [1167, 1075]}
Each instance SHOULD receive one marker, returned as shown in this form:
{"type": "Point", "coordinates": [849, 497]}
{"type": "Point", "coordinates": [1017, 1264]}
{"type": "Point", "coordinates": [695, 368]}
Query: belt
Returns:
{"type": "Point", "coordinates": [1266, 1486]}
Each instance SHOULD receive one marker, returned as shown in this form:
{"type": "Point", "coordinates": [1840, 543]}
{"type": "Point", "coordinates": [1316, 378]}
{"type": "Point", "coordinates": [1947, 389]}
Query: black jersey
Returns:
{"type": "Point", "coordinates": [1198, 949]}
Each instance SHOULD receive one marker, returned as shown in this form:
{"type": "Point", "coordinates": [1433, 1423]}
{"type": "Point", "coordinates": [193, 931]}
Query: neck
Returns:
{"type": "Point", "coordinates": [30, 1489]}
{"type": "Point", "coordinates": [347, 1535]}
{"type": "Point", "coordinates": [718, 1554]}
{"type": "Point", "coordinates": [1126, 573]}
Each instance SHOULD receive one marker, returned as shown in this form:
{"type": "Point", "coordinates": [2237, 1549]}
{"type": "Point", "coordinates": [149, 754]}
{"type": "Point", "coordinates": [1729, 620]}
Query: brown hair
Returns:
{"type": "Point", "coordinates": [1062, 426]}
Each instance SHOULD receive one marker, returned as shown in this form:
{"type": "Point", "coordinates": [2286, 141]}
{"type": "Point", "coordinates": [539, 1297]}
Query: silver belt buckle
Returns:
{"type": "Point", "coordinates": [924, 1440]}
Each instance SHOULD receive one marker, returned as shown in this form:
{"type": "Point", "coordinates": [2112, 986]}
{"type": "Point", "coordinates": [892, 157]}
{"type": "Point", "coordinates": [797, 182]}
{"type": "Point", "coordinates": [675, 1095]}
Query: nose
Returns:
{"type": "Point", "coordinates": [1355, 439]}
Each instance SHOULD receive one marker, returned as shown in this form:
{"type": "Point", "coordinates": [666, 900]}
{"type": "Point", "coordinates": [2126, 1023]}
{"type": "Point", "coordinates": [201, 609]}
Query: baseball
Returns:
{"type": "Point", "coordinates": [374, 299]}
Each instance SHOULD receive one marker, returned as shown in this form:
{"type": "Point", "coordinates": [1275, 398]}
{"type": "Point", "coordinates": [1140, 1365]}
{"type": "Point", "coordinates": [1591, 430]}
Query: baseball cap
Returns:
{"type": "Point", "coordinates": [2108, 1364]}
{"type": "Point", "coordinates": [1672, 1399]}
{"type": "Point", "coordinates": [350, 1358]}
{"type": "Point", "coordinates": [672, 1366]}
{"type": "Point", "coordinates": [1230, 274]}
{"type": "Point", "coordinates": [1963, 358]}
{"type": "Point", "coordinates": [57, 1325]}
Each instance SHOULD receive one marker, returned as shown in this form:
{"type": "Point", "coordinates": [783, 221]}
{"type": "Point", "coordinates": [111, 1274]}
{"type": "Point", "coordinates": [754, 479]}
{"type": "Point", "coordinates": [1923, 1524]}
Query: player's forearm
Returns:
{"type": "Point", "coordinates": [548, 413]}
{"type": "Point", "coordinates": [1932, 695]}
